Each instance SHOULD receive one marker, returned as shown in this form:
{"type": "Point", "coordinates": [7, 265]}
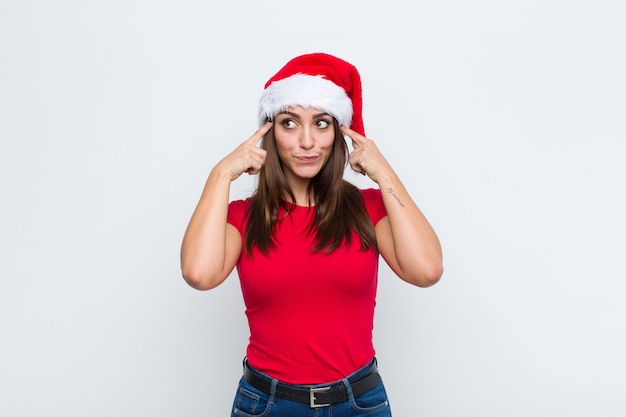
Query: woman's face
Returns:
{"type": "Point", "coordinates": [304, 140]}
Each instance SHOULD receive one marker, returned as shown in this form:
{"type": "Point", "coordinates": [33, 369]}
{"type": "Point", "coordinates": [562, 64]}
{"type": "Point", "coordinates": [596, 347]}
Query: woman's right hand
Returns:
{"type": "Point", "coordinates": [247, 157]}
{"type": "Point", "coordinates": [211, 246]}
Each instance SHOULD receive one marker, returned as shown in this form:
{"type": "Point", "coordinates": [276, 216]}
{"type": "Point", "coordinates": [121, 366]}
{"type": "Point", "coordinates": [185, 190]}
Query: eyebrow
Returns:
{"type": "Point", "coordinates": [297, 116]}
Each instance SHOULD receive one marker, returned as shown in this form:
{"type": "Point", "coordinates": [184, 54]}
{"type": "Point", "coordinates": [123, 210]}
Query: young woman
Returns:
{"type": "Point", "coordinates": [306, 245]}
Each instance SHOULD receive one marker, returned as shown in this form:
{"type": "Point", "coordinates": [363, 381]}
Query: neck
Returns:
{"type": "Point", "coordinates": [300, 192]}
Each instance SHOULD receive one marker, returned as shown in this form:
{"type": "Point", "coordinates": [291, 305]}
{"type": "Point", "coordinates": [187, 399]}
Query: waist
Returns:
{"type": "Point", "coordinates": [319, 395]}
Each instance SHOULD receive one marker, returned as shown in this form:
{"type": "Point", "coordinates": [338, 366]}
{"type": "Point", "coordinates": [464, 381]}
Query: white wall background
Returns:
{"type": "Point", "coordinates": [505, 119]}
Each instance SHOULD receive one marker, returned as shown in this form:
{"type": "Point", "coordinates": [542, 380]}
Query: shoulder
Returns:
{"type": "Point", "coordinates": [370, 195]}
{"type": "Point", "coordinates": [237, 210]}
{"type": "Point", "coordinates": [373, 201]}
{"type": "Point", "coordinates": [237, 205]}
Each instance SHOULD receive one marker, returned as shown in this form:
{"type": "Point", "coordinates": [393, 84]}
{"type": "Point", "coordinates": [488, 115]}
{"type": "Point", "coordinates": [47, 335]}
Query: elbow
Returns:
{"type": "Point", "coordinates": [200, 281]}
{"type": "Point", "coordinates": [432, 276]}
{"type": "Point", "coordinates": [426, 276]}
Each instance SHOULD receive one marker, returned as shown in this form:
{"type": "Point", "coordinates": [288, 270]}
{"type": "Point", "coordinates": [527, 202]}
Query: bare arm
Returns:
{"type": "Point", "coordinates": [211, 246]}
{"type": "Point", "coordinates": [405, 238]}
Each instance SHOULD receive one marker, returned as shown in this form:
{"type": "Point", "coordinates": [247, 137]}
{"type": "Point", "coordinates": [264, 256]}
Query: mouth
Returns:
{"type": "Point", "coordinates": [307, 158]}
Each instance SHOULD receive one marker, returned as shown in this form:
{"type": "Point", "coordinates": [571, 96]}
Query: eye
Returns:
{"type": "Point", "coordinates": [288, 124]}
{"type": "Point", "coordinates": [322, 123]}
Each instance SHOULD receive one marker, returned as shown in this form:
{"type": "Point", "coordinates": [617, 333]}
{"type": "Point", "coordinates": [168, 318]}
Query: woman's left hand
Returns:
{"type": "Point", "coordinates": [404, 237]}
{"type": "Point", "coordinates": [366, 159]}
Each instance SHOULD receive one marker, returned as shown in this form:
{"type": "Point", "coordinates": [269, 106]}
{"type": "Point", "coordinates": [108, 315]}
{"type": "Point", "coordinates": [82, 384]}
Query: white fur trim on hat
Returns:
{"type": "Point", "coordinates": [309, 91]}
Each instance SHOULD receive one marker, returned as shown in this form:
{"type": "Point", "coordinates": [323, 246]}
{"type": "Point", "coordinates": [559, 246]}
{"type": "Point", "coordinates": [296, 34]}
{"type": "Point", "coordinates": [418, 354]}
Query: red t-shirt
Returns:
{"type": "Point", "coordinates": [311, 315]}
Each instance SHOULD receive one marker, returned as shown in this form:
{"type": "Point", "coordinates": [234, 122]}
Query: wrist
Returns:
{"type": "Point", "coordinates": [221, 175]}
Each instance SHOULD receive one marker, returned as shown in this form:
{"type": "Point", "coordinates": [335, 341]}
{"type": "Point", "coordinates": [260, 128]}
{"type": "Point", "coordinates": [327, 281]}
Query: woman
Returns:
{"type": "Point", "coordinates": [306, 245]}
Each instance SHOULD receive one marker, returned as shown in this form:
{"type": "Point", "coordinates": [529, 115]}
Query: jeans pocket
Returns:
{"type": "Point", "coordinates": [374, 400]}
{"type": "Point", "coordinates": [249, 402]}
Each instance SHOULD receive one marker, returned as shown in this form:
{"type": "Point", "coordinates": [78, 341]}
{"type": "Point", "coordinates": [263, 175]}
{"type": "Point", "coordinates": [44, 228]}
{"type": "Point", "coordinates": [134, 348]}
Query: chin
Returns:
{"type": "Point", "coordinates": [308, 174]}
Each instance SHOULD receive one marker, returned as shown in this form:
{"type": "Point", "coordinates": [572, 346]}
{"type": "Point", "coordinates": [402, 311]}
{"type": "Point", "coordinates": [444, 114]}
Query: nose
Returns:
{"type": "Point", "coordinates": [306, 138]}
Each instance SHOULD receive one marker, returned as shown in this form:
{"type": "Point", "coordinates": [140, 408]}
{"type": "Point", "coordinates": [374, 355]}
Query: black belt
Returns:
{"type": "Point", "coordinates": [318, 396]}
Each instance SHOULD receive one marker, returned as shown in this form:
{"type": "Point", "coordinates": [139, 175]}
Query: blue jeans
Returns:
{"type": "Point", "coordinates": [250, 402]}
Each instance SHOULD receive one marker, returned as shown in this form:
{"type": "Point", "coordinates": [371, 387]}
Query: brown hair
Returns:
{"type": "Point", "coordinates": [338, 203]}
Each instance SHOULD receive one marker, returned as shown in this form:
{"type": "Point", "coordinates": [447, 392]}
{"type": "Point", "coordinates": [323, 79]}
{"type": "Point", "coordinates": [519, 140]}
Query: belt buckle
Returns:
{"type": "Point", "coordinates": [312, 398]}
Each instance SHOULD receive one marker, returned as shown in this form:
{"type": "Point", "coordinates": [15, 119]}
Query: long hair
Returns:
{"type": "Point", "coordinates": [339, 207]}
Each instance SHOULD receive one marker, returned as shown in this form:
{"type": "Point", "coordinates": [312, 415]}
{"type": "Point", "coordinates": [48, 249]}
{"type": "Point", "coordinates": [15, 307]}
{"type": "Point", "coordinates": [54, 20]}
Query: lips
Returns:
{"type": "Point", "coordinates": [306, 158]}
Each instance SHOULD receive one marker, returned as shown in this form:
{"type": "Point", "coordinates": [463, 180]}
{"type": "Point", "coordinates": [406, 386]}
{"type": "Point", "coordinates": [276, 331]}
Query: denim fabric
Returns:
{"type": "Point", "coordinates": [250, 402]}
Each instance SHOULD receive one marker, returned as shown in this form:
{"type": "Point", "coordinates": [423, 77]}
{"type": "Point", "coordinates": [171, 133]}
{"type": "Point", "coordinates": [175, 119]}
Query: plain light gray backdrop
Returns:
{"type": "Point", "coordinates": [504, 118]}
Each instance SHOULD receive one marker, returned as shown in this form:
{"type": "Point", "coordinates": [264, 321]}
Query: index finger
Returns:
{"type": "Point", "coordinates": [258, 135]}
{"type": "Point", "coordinates": [357, 138]}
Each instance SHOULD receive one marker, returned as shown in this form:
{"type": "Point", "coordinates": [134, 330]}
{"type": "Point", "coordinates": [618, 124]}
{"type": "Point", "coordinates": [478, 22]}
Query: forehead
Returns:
{"type": "Point", "coordinates": [303, 112]}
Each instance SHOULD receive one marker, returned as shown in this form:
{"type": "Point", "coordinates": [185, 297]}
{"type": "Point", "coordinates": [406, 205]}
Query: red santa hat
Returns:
{"type": "Point", "coordinates": [318, 81]}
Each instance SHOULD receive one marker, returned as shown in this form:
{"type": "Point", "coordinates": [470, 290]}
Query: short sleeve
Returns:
{"type": "Point", "coordinates": [373, 200]}
{"type": "Point", "coordinates": [237, 211]}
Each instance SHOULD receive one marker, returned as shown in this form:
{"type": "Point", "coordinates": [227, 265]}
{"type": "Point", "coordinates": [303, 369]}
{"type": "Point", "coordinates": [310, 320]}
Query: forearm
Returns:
{"type": "Point", "coordinates": [203, 252]}
{"type": "Point", "coordinates": [416, 247]}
